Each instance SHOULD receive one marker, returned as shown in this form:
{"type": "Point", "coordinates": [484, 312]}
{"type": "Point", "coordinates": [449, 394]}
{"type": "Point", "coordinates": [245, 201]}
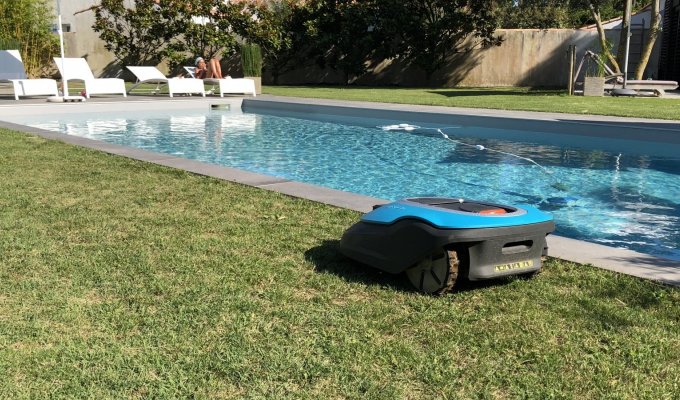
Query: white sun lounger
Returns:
{"type": "Point", "coordinates": [175, 85]}
{"type": "Point", "coordinates": [615, 80]}
{"type": "Point", "coordinates": [228, 85]}
{"type": "Point", "coordinates": [77, 69]}
{"type": "Point", "coordinates": [656, 87]}
{"type": "Point", "coordinates": [12, 71]}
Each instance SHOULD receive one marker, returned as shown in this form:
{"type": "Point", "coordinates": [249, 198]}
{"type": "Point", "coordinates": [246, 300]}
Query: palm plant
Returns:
{"type": "Point", "coordinates": [251, 59]}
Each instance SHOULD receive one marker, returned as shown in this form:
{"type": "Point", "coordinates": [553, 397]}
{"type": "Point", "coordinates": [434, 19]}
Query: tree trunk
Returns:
{"type": "Point", "coordinates": [651, 39]}
{"type": "Point", "coordinates": [603, 39]}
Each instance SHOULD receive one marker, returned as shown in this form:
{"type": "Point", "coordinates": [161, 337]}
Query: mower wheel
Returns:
{"type": "Point", "coordinates": [436, 274]}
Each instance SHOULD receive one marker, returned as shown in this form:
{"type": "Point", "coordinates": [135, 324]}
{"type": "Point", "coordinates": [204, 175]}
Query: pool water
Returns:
{"type": "Point", "coordinates": [626, 195]}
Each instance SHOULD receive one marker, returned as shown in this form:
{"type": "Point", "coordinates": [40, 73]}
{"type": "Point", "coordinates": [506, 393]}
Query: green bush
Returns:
{"type": "Point", "coordinates": [27, 26]}
{"type": "Point", "coordinates": [251, 59]}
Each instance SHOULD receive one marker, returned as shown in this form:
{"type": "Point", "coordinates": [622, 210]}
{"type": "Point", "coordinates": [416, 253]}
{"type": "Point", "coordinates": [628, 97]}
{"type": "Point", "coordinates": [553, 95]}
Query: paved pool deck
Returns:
{"type": "Point", "coordinates": [619, 260]}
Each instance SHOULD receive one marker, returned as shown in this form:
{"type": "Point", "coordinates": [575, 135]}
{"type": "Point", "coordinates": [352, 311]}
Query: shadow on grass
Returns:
{"type": "Point", "coordinates": [328, 259]}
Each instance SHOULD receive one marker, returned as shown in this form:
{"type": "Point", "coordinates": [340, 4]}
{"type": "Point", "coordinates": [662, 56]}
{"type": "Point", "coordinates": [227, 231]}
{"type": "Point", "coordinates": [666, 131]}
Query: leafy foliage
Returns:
{"type": "Point", "coordinates": [341, 34]}
{"type": "Point", "coordinates": [545, 14]}
{"type": "Point", "coordinates": [432, 30]}
{"type": "Point", "coordinates": [345, 35]}
{"type": "Point", "coordinates": [150, 32]}
{"type": "Point", "coordinates": [140, 35]}
{"type": "Point", "coordinates": [9, 44]}
{"type": "Point", "coordinates": [198, 33]}
{"type": "Point", "coordinates": [280, 27]}
{"type": "Point", "coordinates": [27, 26]}
{"type": "Point", "coordinates": [541, 14]}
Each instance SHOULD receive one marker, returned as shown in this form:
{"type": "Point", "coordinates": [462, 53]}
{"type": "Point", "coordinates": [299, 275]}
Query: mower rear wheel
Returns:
{"type": "Point", "coordinates": [436, 274]}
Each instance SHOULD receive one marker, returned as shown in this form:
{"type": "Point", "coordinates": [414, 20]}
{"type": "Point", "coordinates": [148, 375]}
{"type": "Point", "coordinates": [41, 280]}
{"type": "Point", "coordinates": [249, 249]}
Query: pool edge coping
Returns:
{"type": "Point", "coordinates": [477, 112]}
{"type": "Point", "coordinates": [613, 259]}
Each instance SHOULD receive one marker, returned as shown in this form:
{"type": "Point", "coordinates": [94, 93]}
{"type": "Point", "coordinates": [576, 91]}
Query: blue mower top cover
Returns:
{"type": "Point", "coordinates": [448, 213]}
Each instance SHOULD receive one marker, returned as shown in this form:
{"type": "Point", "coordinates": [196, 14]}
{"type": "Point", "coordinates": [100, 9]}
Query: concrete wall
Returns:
{"type": "Point", "coordinates": [82, 41]}
{"type": "Point", "coordinates": [526, 57]}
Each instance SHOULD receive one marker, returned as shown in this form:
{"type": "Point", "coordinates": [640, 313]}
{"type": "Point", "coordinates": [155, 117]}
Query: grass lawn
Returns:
{"type": "Point", "coordinates": [121, 279]}
{"type": "Point", "coordinates": [524, 99]}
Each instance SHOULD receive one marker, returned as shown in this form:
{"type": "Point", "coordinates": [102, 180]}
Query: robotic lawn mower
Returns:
{"type": "Point", "coordinates": [438, 241]}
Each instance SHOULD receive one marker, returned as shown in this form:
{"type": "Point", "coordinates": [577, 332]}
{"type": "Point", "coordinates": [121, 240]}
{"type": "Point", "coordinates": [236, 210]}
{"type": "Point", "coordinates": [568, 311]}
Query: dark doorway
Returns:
{"type": "Point", "coordinates": [669, 63]}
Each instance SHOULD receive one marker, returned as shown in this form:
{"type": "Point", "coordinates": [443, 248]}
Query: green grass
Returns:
{"type": "Point", "coordinates": [524, 99]}
{"type": "Point", "coordinates": [121, 279]}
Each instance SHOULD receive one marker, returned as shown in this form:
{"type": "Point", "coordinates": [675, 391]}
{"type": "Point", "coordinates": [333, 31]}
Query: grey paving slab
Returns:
{"type": "Point", "coordinates": [28, 129]}
{"type": "Point", "coordinates": [220, 172]}
{"type": "Point", "coordinates": [9, 109]}
{"type": "Point", "coordinates": [619, 260]}
{"type": "Point", "coordinates": [325, 195]}
{"type": "Point", "coordinates": [130, 152]}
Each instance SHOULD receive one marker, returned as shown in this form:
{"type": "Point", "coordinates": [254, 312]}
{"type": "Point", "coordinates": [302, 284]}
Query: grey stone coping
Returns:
{"type": "Point", "coordinates": [373, 107]}
{"type": "Point", "coordinates": [599, 127]}
{"type": "Point", "coordinates": [614, 259]}
{"type": "Point", "coordinates": [108, 104]}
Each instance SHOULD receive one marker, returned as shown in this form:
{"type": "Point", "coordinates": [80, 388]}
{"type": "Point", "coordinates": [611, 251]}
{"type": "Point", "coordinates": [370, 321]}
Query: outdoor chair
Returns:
{"type": "Point", "coordinates": [227, 85]}
{"type": "Point", "coordinates": [77, 69]}
{"type": "Point", "coordinates": [175, 85]}
{"type": "Point", "coordinates": [12, 71]}
{"type": "Point", "coordinates": [615, 80]}
{"type": "Point", "coordinates": [649, 85]}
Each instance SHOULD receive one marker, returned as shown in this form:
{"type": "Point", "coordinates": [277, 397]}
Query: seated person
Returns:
{"type": "Point", "coordinates": [207, 71]}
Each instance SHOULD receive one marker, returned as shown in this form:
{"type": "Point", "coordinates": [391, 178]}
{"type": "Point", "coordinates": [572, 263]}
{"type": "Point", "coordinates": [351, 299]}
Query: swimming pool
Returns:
{"type": "Point", "coordinates": [621, 193]}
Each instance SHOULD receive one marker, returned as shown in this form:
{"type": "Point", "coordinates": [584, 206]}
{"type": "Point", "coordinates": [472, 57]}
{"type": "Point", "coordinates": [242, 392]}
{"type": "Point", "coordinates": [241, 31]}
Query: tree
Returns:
{"type": "Point", "coordinates": [534, 14]}
{"type": "Point", "coordinates": [654, 31]}
{"type": "Point", "coordinates": [432, 30]}
{"type": "Point", "coordinates": [26, 26]}
{"type": "Point", "coordinates": [279, 27]}
{"type": "Point", "coordinates": [199, 33]}
{"type": "Point", "coordinates": [151, 31]}
{"type": "Point", "coordinates": [545, 14]}
{"type": "Point", "coordinates": [594, 7]}
{"type": "Point", "coordinates": [621, 7]}
{"type": "Point", "coordinates": [139, 35]}
{"type": "Point", "coordinates": [347, 33]}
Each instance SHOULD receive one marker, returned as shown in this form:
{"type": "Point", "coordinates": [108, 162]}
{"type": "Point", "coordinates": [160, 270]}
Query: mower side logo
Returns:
{"type": "Point", "coordinates": [514, 266]}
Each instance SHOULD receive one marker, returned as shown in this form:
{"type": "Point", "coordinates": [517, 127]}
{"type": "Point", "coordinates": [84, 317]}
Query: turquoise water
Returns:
{"type": "Point", "coordinates": [624, 194]}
